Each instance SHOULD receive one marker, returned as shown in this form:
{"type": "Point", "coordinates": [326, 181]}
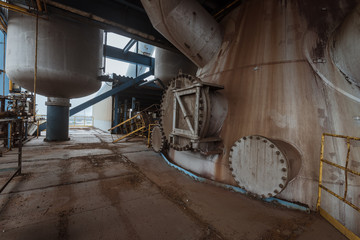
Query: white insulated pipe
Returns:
{"type": "Point", "coordinates": [188, 26]}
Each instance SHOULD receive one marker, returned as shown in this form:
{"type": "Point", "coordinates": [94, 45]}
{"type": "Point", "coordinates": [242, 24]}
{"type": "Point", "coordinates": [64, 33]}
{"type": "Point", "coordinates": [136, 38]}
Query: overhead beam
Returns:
{"type": "Point", "coordinates": [112, 16]}
{"type": "Point", "coordinates": [105, 95]}
{"type": "Point", "coordinates": [130, 57]}
{"type": "Point", "coordinates": [129, 45]}
{"type": "Point", "coordinates": [111, 92]}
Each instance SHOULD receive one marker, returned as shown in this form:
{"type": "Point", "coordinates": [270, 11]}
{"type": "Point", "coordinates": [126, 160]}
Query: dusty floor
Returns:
{"type": "Point", "coordinates": [89, 188]}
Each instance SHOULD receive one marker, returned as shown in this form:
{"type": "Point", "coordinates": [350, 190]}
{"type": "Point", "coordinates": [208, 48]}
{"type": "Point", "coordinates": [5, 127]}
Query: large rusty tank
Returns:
{"type": "Point", "coordinates": [289, 73]}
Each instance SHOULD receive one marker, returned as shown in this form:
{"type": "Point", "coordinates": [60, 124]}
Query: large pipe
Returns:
{"type": "Point", "coordinates": [345, 47]}
{"type": "Point", "coordinates": [188, 26]}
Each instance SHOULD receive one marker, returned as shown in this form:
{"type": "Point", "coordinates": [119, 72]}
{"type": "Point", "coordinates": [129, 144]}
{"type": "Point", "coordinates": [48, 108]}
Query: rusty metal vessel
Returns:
{"type": "Point", "coordinates": [289, 73]}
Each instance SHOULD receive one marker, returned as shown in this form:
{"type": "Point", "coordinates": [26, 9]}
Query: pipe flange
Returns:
{"type": "Point", "coordinates": [259, 166]}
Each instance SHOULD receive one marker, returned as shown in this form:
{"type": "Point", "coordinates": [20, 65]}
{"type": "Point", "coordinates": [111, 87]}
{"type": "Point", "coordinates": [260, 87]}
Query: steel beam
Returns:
{"type": "Point", "coordinates": [109, 93]}
{"type": "Point", "coordinates": [112, 16]}
{"type": "Point", "coordinates": [105, 95]}
{"type": "Point", "coordinates": [129, 45]}
{"type": "Point", "coordinates": [130, 57]}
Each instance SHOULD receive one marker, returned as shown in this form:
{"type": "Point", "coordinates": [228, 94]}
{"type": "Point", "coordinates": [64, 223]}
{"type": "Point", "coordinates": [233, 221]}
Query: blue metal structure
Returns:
{"type": "Point", "coordinates": [111, 92]}
{"type": "Point", "coordinates": [57, 123]}
{"type": "Point", "coordinates": [129, 57]}
{"type": "Point", "coordinates": [116, 111]}
{"type": "Point", "coordinates": [4, 88]}
{"type": "Point", "coordinates": [129, 45]}
{"type": "Point", "coordinates": [107, 94]}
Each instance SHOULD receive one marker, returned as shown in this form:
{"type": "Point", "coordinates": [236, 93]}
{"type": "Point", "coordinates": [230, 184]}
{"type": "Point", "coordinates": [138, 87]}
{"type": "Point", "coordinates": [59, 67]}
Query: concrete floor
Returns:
{"type": "Point", "coordinates": [89, 188]}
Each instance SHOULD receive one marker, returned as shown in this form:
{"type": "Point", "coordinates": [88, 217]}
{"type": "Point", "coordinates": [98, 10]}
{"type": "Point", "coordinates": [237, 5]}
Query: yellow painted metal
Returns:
{"type": "Point", "coordinates": [38, 3]}
{"type": "Point", "coordinates": [326, 215]}
{"type": "Point", "coordinates": [350, 235]}
{"type": "Point", "coordinates": [341, 198]}
{"type": "Point", "coordinates": [346, 167]}
{"type": "Point", "coordinates": [320, 171]}
{"type": "Point", "coordinates": [3, 25]}
{"type": "Point", "coordinates": [15, 8]}
{"type": "Point", "coordinates": [124, 122]}
{"type": "Point", "coordinates": [10, 85]}
{"type": "Point", "coordinates": [74, 119]}
{"type": "Point", "coordinates": [149, 131]}
{"type": "Point", "coordinates": [341, 167]}
{"type": "Point", "coordinates": [228, 6]}
{"type": "Point", "coordinates": [139, 129]}
{"type": "Point", "coordinates": [341, 136]}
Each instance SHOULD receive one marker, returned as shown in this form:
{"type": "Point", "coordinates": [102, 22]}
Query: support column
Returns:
{"type": "Point", "coordinates": [116, 113]}
{"type": "Point", "coordinates": [57, 123]}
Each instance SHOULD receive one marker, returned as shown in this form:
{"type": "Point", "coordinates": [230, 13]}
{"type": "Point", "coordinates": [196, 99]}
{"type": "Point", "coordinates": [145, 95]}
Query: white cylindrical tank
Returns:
{"type": "Point", "coordinates": [69, 55]}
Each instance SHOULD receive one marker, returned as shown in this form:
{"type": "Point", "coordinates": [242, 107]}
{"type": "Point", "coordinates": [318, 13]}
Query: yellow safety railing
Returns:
{"type": "Point", "coordinates": [125, 136]}
{"type": "Point", "coordinates": [344, 199]}
{"type": "Point", "coordinates": [149, 131]}
{"type": "Point", "coordinates": [81, 121]}
{"type": "Point", "coordinates": [141, 127]}
{"type": "Point", "coordinates": [74, 121]}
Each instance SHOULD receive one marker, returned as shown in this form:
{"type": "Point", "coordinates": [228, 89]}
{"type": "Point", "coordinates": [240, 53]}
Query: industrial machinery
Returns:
{"type": "Point", "coordinates": [289, 72]}
{"type": "Point", "coordinates": [273, 77]}
{"type": "Point", "coordinates": [56, 57]}
{"type": "Point", "coordinates": [16, 113]}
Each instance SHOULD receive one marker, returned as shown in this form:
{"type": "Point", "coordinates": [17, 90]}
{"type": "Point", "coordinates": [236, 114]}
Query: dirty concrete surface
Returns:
{"type": "Point", "coordinates": [90, 188]}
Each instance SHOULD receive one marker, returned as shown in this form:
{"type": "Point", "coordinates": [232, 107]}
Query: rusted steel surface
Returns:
{"type": "Point", "coordinates": [188, 26]}
{"type": "Point", "coordinates": [280, 82]}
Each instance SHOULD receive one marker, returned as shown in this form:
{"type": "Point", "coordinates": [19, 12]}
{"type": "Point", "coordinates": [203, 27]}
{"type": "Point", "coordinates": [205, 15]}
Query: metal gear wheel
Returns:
{"type": "Point", "coordinates": [157, 139]}
{"type": "Point", "coordinates": [183, 81]}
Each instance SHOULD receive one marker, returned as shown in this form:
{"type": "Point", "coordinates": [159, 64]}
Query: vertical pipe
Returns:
{"type": "Point", "coordinates": [35, 67]}
{"type": "Point", "coordinates": [9, 135]}
{"type": "Point", "coordinates": [104, 51]}
{"type": "Point", "coordinates": [20, 144]}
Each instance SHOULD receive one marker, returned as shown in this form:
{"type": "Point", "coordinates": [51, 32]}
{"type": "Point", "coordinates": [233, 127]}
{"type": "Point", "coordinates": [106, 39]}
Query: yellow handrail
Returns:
{"type": "Point", "coordinates": [349, 234]}
{"type": "Point", "coordinates": [125, 121]}
{"type": "Point", "coordinates": [128, 134]}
